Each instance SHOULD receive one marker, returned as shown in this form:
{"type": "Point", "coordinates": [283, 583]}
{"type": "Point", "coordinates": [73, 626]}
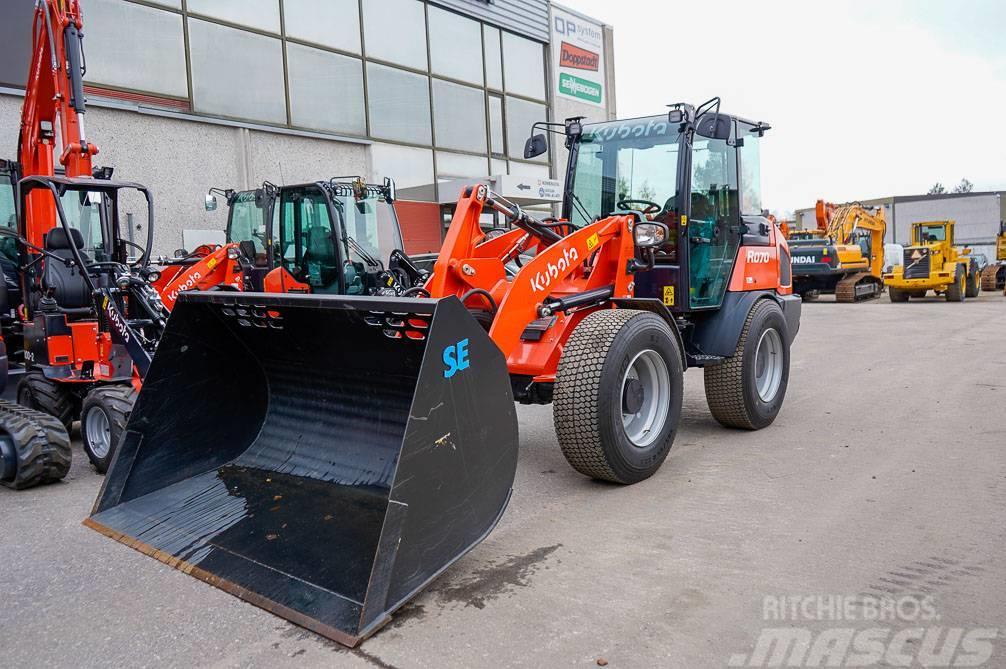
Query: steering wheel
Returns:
{"type": "Point", "coordinates": [649, 208]}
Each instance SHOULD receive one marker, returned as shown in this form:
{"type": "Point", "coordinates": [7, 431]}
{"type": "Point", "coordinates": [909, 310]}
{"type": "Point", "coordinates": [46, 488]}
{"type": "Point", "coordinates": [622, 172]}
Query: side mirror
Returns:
{"type": "Point", "coordinates": [391, 193]}
{"type": "Point", "coordinates": [650, 234]}
{"type": "Point", "coordinates": [211, 202]}
{"type": "Point", "coordinates": [536, 145]}
{"type": "Point", "coordinates": [714, 126]}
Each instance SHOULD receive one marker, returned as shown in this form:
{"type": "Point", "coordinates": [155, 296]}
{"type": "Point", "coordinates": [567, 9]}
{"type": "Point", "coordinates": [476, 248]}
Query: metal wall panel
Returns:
{"type": "Point", "coordinates": [977, 217]}
{"type": "Point", "coordinates": [524, 17]}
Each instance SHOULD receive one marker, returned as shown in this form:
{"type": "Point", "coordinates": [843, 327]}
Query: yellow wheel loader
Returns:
{"type": "Point", "coordinates": [933, 263]}
{"type": "Point", "coordinates": [844, 256]}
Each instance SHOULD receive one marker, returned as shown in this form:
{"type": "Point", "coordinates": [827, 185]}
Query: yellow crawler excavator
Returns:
{"type": "Point", "coordinates": [844, 256]}
{"type": "Point", "coordinates": [994, 275]}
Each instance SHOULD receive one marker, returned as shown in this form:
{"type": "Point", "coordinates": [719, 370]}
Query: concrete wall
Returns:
{"type": "Point", "coordinates": [179, 160]}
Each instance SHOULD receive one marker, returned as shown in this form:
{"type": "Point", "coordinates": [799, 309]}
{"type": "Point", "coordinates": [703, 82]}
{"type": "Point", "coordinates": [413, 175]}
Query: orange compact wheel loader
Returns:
{"type": "Point", "coordinates": [330, 455]}
{"type": "Point", "coordinates": [78, 309]}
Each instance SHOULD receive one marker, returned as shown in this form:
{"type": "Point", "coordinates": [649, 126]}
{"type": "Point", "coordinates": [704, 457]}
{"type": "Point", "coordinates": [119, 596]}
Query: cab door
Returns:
{"type": "Point", "coordinates": [308, 239]}
{"type": "Point", "coordinates": [714, 226]}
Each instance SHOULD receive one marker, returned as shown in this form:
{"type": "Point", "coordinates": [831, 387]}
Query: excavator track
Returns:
{"type": "Point", "coordinates": [858, 287]}
{"type": "Point", "coordinates": [990, 277]}
{"type": "Point", "coordinates": [34, 447]}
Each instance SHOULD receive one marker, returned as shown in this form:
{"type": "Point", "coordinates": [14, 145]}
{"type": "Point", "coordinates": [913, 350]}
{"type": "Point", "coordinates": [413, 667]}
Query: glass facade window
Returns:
{"type": "Point", "coordinates": [459, 117]}
{"type": "Point", "coordinates": [460, 165]}
{"type": "Point", "coordinates": [326, 90]}
{"type": "Point", "coordinates": [455, 46]}
{"type": "Point", "coordinates": [236, 73]}
{"type": "Point", "coordinates": [332, 23]}
{"type": "Point", "coordinates": [399, 105]}
{"type": "Point", "coordinates": [494, 57]}
{"type": "Point", "coordinates": [520, 116]}
{"type": "Point", "coordinates": [496, 125]}
{"type": "Point", "coordinates": [260, 14]}
{"type": "Point", "coordinates": [150, 56]}
{"type": "Point", "coordinates": [175, 4]}
{"type": "Point", "coordinates": [524, 66]}
{"type": "Point", "coordinates": [394, 31]}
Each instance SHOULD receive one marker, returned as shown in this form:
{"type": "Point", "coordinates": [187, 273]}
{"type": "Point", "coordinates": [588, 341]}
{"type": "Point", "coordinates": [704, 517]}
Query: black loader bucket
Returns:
{"type": "Point", "coordinates": [323, 458]}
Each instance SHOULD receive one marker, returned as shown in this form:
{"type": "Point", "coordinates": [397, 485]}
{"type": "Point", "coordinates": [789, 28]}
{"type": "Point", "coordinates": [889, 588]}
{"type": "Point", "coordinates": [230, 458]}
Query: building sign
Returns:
{"type": "Point", "coordinates": [528, 190]}
{"type": "Point", "coordinates": [578, 57]}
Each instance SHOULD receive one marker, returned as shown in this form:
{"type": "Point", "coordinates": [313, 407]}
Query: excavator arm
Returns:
{"type": "Point", "coordinates": [52, 119]}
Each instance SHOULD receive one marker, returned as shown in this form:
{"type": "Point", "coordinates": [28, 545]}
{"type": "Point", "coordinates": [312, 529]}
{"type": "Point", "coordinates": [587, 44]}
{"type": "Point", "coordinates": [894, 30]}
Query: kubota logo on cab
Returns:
{"type": "Point", "coordinates": [543, 279]}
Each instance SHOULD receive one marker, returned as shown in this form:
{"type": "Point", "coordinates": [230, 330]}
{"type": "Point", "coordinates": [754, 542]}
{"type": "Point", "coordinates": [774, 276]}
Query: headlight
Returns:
{"type": "Point", "coordinates": [233, 253]}
{"type": "Point", "coordinates": [650, 234]}
{"type": "Point", "coordinates": [153, 275]}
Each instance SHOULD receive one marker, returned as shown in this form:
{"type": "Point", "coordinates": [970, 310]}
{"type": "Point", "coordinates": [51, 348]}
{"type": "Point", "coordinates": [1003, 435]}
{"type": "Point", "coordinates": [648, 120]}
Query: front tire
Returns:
{"type": "Point", "coordinates": [974, 284]}
{"type": "Point", "coordinates": [617, 400]}
{"type": "Point", "coordinates": [37, 392]}
{"type": "Point", "coordinates": [957, 290]}
{"type": "Point", "coordinates": [103, 419]}
{"type": "Point", "coordinates": [747, 390]}
{"type": "Point", "coordinates": [897, 295]}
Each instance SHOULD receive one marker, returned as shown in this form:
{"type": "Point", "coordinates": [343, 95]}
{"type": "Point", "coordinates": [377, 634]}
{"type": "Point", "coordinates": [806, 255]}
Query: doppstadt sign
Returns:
{"type": "Point", "coordinates": [578, 55]}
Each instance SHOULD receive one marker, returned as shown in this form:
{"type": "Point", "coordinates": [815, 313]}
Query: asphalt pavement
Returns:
{"type": "Point", "coordinates": [881, 484]}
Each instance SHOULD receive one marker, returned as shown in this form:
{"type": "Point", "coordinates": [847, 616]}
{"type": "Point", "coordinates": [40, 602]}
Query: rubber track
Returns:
{"type": "Point", "coordinates": [990, 279]}
{"type": "Point", "coordinates": [577, 386]}
{"type": "Point", "coordinates": [845, 290]}
{"type": "Point", "coordinates": [51, 398]}
{"type": "Point", "coordinates": [725, 382]}
{"type": "Point", "coordinates": [43, 445]}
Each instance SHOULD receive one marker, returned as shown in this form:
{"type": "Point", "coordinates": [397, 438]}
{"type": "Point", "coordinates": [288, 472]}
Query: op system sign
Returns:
{"type": "Point", "coordinates": [578, 56]}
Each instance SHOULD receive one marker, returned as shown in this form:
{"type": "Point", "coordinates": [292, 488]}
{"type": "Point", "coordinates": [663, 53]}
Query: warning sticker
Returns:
{"type": "Point", "coordinates": [669, 296]}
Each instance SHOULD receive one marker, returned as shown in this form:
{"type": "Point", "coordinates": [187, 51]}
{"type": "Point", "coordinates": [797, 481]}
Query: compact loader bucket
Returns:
{"type": "Point", "coordinates": [323, 458]}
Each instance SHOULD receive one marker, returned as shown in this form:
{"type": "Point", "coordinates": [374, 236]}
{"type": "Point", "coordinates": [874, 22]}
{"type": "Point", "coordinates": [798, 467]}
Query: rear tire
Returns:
{"type": "Point", "coordinates": [35, 391]}
{"type": "Point", "coordinates": [617, 400]}
{"type": "Point", "coordinates": [957, 290]}
{"type": "Point", "coordinates": [897, 295]}
{"type": "Point", "coordinates": [747, 390]}
{"type": "Point", "coordinates": [102, 421]}
{"type": "Point", "coordinates": [34, 447]}
{"type": "Point", "coordinates": [974, 284]}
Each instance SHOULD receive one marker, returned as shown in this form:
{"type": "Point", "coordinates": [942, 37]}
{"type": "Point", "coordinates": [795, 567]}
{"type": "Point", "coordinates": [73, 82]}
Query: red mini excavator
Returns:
{"type": "Point", "coordinates": [330, 455]}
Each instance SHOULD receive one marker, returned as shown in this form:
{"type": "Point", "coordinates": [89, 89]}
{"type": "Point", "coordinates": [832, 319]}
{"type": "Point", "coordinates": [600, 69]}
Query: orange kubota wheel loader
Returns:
{"type": "Point", "coordinates": [330, 455]}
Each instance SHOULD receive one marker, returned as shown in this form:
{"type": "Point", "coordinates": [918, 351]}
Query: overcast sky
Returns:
{"type": "Point", "coordinates": [866, 99]}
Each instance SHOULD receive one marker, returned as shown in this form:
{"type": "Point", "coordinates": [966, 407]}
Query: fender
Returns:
{"type": "Point", "coordinates": [718, 335]}
{"type": "Point", "coordinates": [657, 307]}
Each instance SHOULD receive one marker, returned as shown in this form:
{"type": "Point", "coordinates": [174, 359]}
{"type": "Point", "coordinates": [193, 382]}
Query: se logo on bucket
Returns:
{"type": "Point", "coordinates": [456, 358]}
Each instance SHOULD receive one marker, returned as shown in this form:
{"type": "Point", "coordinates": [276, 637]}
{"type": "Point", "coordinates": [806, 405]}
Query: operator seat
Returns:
{"type": "Point", "coordinates": [70, 287]}
{"type": "Point", "coordinates": [319, 257]}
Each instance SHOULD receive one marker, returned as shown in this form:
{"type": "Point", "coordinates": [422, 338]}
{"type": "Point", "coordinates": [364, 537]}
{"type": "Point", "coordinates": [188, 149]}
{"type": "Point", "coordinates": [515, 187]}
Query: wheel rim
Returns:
{"type": "Point", "coordinates": [768, 365]}
{"type": "Point", "coordinates": [646, 398]}
{"type": "Point", "coordinates": [99, 434]}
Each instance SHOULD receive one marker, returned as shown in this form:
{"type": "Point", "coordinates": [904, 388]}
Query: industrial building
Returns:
{"type": "Point", "coordinates": [188, 94]}
{"type": "Point", "coordinates": [978, 216]}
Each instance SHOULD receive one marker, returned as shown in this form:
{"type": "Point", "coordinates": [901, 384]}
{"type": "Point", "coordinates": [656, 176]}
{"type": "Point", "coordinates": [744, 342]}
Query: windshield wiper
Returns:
{"type": "Point", "coordinates": [581, 208]}
{"type": "Point", "coordinates": [364, 255]}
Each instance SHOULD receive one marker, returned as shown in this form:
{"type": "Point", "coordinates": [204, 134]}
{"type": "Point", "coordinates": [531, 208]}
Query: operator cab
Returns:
{"type": "Point", "coordinates": [695, 170]}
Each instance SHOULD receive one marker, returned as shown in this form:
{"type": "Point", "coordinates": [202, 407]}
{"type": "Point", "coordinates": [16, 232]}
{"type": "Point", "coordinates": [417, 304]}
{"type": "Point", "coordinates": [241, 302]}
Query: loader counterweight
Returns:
{"type": "Point", "coordinates": [342, 467]}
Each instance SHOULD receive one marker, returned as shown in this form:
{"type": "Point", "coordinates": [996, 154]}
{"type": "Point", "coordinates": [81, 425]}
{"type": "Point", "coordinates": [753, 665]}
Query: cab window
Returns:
{"type": "Point", "coordinates": [86, 211]}
{"type": "Point", "coordinates": [308, 241]}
